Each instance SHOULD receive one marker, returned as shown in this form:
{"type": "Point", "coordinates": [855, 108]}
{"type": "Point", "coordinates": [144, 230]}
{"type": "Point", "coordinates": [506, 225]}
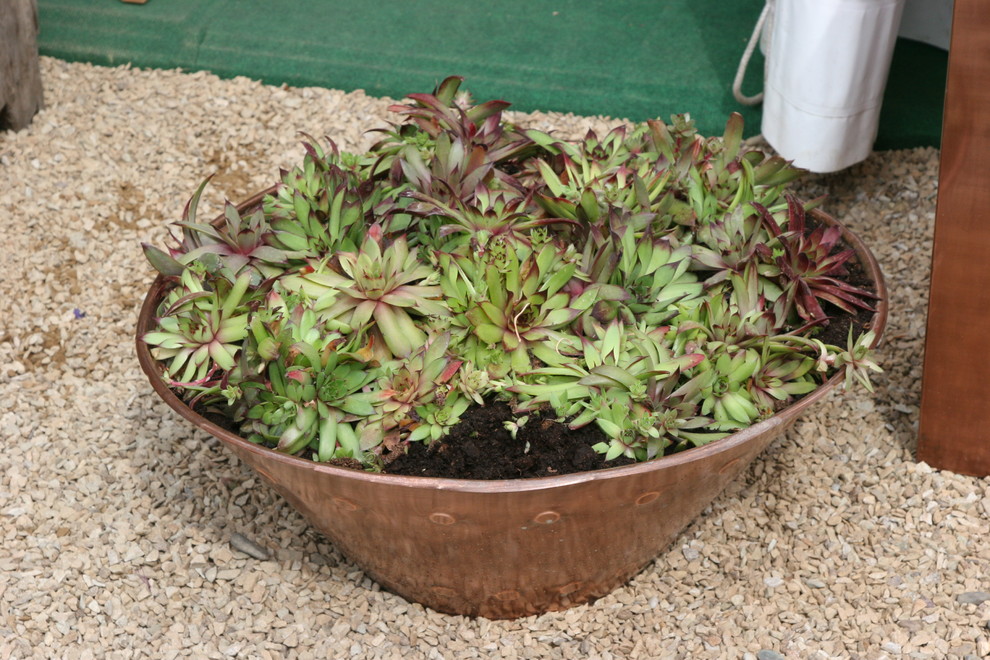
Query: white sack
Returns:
{"type": "Point", "coordinates": [825, 77]}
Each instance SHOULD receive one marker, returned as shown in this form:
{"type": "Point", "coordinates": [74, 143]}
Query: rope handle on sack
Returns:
{"type": "Point", "coordinates": [744, 62]}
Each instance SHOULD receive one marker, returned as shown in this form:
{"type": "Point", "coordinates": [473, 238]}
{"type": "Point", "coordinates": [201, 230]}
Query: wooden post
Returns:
{"type": "Point", "coordinates": [20, 77]}
{"type": "Point", "coordinates": [954, 431]}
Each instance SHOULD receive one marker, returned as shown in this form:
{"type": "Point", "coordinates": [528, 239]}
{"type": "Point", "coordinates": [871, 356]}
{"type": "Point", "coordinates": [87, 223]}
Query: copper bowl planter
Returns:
{"type": "Point", "coordinates": [505, 549]}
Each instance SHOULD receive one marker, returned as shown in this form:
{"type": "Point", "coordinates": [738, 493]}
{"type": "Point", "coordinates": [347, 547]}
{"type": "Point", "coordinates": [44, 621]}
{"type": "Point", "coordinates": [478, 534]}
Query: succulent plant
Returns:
{"type": "Point", "coordinates": [381, 283]}
{"type": "Point", "coordinates": [239, 243]}
{"type": "Point", "coordinates": [658, 285]}
{"type": "Point", "coordinates": [608, 379]}
{"type": "Point", "coordinates": [200, 327]}
{"type": "Point", "coordinates": [809, 269]}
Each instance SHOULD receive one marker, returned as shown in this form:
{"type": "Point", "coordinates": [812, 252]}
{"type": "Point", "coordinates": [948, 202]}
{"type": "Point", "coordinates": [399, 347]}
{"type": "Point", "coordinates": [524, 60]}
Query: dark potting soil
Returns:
{"type": "Point", "coordinates": [481, 447]}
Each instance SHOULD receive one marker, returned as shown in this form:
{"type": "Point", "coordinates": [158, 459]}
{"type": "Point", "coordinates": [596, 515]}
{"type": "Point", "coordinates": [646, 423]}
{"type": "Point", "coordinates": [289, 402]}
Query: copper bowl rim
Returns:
{"type": "Point", "coordinates": [782, 418]}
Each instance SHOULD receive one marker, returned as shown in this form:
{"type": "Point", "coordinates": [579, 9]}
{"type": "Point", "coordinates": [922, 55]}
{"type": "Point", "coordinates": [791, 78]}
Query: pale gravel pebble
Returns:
{"type": "Point", "coordinates": [115, 514]}
{"type": "Point", "coordinates": [247, 546]}
{"type": "Point", "coordinates": [973, 597]}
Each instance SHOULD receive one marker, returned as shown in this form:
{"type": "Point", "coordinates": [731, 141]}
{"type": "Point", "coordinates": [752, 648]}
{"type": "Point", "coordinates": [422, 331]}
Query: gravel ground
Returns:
{"type": "Point", "coordinates": [116, 517]}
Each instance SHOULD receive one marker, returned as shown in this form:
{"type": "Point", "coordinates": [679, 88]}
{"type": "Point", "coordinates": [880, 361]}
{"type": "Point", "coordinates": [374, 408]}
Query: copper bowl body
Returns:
{"type": "Point", "coordinates": [512, 548]}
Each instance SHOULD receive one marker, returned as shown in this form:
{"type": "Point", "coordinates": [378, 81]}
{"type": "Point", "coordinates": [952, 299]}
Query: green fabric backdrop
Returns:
{"type": "Point", "coordinates": [623, 58]}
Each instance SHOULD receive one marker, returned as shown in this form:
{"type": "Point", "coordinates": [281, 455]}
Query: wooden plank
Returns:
{"type": "Point", "coordinates": [954, 431]}
{"type": "Point", "coordinates": [20, 77]}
